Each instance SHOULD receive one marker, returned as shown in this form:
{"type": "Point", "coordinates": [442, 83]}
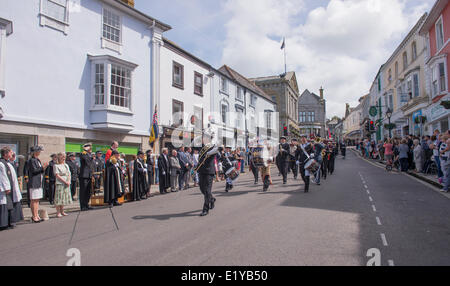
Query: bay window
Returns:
{"type": "Point", "coordinates": [111, 83]}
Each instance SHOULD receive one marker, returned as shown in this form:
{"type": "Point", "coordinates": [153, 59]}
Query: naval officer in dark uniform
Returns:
{"type": "Point", "coordinates": [207, 172]}
{"type": "Point", "coordinates": [86, 177]}
{"type": "Point", "coordinates": [283, 157]}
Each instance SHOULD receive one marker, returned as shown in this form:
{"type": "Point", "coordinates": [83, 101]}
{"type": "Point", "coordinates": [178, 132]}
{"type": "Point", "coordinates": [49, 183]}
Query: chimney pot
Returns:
{"type": "Point", "coordinates": [129, 2]}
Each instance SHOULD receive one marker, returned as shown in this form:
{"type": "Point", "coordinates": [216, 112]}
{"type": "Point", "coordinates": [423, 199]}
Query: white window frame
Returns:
{"type": "Point", "coordinates": [6, 29]}
{"type": "Point", "coordinates": [435, 69]}
{"type": "Point", "coordinates": [222, 104]}
{"type": "Point", "coordinates": [413, 51]}
{"type": "Point", "coordinates": [440, 20]}
{"type": "Point", "coordinates": [223, 85]}
{"type": "Point", "coordinates": [107, 43]}
{"type": "Point", "coordinates": [108, 62]}
{"type": "Point", "coordinates": [49, 21]}
{"type": "Point", "coordinates": [239, 93]}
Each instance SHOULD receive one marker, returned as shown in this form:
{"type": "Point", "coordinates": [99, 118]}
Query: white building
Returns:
{"type": "Point", "coordinates": [242, 113]}
{"type": "Point", "coordinates": [184, 104]}
{"type": "Point", "coordinates": [77, 72]}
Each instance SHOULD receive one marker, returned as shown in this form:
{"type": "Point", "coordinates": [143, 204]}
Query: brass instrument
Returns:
{"type": "Point", "coordinates": [203, 156]}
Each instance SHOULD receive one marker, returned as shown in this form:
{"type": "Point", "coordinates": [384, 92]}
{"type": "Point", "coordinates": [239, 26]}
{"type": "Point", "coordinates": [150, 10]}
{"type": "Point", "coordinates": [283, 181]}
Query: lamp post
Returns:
{"type": "Point", "coordinates": [389, 115]}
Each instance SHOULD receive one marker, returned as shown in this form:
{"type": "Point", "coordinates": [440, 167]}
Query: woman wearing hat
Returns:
{"type": "Point", "coordinates": [36, 176]}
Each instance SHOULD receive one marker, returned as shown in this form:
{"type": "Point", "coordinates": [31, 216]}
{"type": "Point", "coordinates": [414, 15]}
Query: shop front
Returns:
{"type": "Point", "coordinates": [128, 150]}
{"type": "Point", "coordinates": [438, 118]}
{"type": "Point", "coordinates": [173, 138]}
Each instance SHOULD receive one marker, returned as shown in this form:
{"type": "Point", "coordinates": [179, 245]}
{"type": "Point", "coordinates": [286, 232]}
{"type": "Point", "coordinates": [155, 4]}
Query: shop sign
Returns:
{"type": "Point", "coordinates": [437, 111]}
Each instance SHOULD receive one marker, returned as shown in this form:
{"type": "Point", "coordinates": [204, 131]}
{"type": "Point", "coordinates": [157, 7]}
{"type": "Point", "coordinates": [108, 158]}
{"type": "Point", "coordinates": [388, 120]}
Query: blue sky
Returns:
{"type": "Point", "coordinates": [337, 44]}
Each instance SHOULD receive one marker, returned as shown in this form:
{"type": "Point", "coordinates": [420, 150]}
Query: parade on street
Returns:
{"type": "Point", "coordinates": [224, 133]}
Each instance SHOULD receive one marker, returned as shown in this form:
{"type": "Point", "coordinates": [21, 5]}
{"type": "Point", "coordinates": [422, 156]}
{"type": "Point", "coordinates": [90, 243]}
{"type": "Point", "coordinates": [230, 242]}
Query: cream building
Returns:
{"type": "Point", "coordinates": [405, 85]}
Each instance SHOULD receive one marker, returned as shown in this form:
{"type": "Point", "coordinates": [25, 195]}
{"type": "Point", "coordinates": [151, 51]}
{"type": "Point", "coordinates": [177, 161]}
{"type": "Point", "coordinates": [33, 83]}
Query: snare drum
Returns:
{"type": "Point", "coordinates": [312, 166]}
{"type": "Point", "coordinates": [233, 174]}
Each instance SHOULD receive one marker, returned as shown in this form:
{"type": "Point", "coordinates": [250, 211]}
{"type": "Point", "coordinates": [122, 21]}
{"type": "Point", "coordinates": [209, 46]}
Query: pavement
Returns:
{"type": "Point", "coordinates": [358, 214]}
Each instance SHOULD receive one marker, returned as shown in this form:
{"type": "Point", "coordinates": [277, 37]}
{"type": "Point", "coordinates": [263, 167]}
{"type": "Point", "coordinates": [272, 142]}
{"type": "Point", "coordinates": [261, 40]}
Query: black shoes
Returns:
{"type": "Point", "coordinates": [213, 201]}
{"type": "Point", "coordinates": [204, 213]}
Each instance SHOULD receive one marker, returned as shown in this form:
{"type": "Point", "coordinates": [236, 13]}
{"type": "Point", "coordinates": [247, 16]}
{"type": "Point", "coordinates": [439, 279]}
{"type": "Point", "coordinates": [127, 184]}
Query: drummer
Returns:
{"type": "Point", "coordinates": [228, 163]}
{"type": "Point", "coordinates": [303, 157]}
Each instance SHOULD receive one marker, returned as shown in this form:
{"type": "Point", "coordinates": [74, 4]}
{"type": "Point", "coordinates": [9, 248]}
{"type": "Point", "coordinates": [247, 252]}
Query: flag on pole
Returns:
{"type": "Point", "coordinates": [154, 133]}
{"type": "Point", "coordinates": [284, 43]}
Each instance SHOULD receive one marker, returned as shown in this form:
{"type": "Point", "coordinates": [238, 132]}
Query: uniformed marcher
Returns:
{"type": "Point", "coordinates": [50, 179]}
{"type": "Point", "coordinates": [302, 157]}
{"type": "Point", "coordinates": [228, 160]}
{"type": "Point", "coordinates": [10, 195]}
{"type": "Point", "coordinates": [292, 162]}
{"type": "Point", "coordinates": [74, 173]}
{"type": "Point", "coordinates": [207, 171]}
{"type": "Point", "coordinates": [86, 177]}
{"type": "Point", "coordinates": [140, 185]}
{"type": "Point", "coordinates": [284, 158]}
{"type": "Point", "coordinates": [253, 168]}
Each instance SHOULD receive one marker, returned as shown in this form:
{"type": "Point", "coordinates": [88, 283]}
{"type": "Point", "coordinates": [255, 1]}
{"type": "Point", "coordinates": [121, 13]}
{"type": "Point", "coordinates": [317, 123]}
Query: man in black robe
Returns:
{"type": "Point", "coordinates": [140, 185]}
{"type": "Point", "coordinates": [164, 171]}
{"type": "Point", "coordinates": [113, 185]}
{"type": "Point", "coordinates": [50, 179]}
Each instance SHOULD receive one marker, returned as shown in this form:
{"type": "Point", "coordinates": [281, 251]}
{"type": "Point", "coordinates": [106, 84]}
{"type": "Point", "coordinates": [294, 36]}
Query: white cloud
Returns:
{"type": "Point", "coordinates": [340, 46]}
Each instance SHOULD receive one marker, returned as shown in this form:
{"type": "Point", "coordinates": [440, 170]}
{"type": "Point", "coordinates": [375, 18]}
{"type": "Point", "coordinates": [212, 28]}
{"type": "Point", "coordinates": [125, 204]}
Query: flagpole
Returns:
{"type": "Point", "coordinates": [285, 65]}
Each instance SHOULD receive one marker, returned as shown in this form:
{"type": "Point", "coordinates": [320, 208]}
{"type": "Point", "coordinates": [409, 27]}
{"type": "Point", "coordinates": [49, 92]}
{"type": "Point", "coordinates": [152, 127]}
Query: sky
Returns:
{"type": "Point", "coordinates": [336, 44]}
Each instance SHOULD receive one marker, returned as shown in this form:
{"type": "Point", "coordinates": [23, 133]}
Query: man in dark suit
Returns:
{"type": "Point", "coordinates": [284, 158]}
{"type": "Point", "coordinates": [164, 171]}
{"type": "Point", "coordinates": [86, 177]}
{"type": "Point", "coordinates": [184, 163]}
{"type": "Point", "coordinates": [150, 163]}
{"type": "Point", "coordinates": [207, 172]}
{"type": "Point", "coordinates": [74, 173]}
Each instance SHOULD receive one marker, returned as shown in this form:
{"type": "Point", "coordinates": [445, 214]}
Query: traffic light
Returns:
{"type": "Point", "coordinates": [367, 126]}
{"type": "Point", "coordinates": [372, 126]}
{"type": "Point", "coordinates": [285, 131]}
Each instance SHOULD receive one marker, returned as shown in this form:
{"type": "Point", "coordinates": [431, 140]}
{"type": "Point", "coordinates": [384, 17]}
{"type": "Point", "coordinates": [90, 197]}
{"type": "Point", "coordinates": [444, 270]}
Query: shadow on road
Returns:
{"type": "Point", "coordinates": [169, 216]}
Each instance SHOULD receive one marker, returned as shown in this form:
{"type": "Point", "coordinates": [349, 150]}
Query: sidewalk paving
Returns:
{"type": "Point", "coordinates": [74, 207]}
{"type": "Point", "coordinates": [431, 179]}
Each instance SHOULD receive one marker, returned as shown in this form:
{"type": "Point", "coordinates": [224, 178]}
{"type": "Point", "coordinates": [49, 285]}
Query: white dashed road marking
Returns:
{"type": "Point", "coordinates": [378, 221]}
{"type": "Point", "coordinates": [370, 199]}
{"type": "Point", "coordinates": [383, 238]}
{"type": "Point", "coordinates": [391, 263]}
{"type": "Point", "coordinates": [374, 208]}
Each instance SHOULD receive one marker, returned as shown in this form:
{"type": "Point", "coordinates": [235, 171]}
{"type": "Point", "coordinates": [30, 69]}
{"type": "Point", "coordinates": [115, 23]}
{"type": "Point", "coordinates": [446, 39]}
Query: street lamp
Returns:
{"type": "Point", "coordinates": [389, 115]}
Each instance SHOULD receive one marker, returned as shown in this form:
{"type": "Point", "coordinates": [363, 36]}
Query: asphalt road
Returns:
{"type": "Point", "coordinates": [359, 208]}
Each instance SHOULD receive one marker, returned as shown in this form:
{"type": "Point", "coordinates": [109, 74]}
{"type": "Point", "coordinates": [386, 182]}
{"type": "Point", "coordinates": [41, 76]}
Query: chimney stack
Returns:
{"type": "Point", "coordinates": [129, 2]}
{"type": "Point", "coordinates": [321, 93]}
